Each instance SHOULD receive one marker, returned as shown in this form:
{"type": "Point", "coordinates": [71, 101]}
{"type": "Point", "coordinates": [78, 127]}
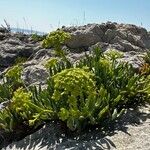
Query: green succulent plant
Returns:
{"type": "Point", "coordinates": [11, 81]}
{"type": "Point", "coordinates": [54, 66]}
{"type": "Point", "coordinates": [9, 120]}
{"type": "Point", "coordinates": [114, 54]}
{"type": "Point", "coordinates": [56, 40]}
{"type": "Point", "coordinates": [51, 63]}
{"type": "Point", "coordinates": [14, 73]}
{"type": "Point", "coordinates": [72, 82]}
{"type": "Point", "coordinates": [96, 89]}
{"type": "Point", "coordinates": [6, 92]}
{"type": "Point", "coordinates": [13, 76]}
{"type": "Point", "coordinates": [20, 60]}
{"type": "Point", "coordinates": [72, 88]}
{"type": "Point", "coordinates": [23, 109]}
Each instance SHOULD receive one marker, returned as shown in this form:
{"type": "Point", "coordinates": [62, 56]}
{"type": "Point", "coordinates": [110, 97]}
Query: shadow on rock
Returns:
{"type": "Point", "coordinates": [52, 135]}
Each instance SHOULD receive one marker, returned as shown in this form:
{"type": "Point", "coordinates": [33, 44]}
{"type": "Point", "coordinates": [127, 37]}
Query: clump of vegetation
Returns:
{"type": "Point", "coordinates": [35, 37]}
{"type": "Point", "coordinates": [74, 92]}
{"type": "Point", "coordinates": [96, 89]}
{"type": "Point", "coordinates": [22, 110]}
{"type": "Point", "coordinates": [5, 92]}
{"type": "Point", "coordinates": [20, 60]}
{"type": "Point", "coordinates": [13, 77]}
{"type": "Point", "coordinates": [56, 40]}
{"type": "Point", "coordinates": [22, 103]}
{"type": "Point", "coordinates": [51, 63]}
{"type": "Point", "coordinates": [11, 82]}
{"type": "Point", "coordinates": [14, 73]}
{"type": "Point", "coordinates": [114, 54]}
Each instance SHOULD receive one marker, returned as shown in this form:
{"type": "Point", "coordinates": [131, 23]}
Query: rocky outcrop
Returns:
{"type": "Point", "coordinates": [13, 47]}
{"type": "Point", "coordinates": [125, 37]}
{"type": "Point", "coordinates": [132, 40]}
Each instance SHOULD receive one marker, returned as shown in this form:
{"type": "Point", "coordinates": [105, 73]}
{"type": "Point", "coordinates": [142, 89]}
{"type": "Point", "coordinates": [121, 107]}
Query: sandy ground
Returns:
{"type": "Point", "coordinates": [131, 132]}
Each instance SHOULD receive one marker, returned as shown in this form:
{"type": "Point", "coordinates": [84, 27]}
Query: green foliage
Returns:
{"type": "Point", "coordinates": [56, 40]}
{"type": "Point", "coordinates": [72, 82]}
{"type": "Point", "coordinates": [5, 92]}
{"type": "Point", "coordinates": [20, 100]}
{"type": "Point", "coordinates": [22, 103]}
{"type": "Point", "coordinates": [14, 74]}
{"type": "Point", "coordinates": [54, 66]}
{"type": "Point", "coordinates": [17, 111]}
{"type": "Point", "coordinates": [20, 60]}
{"type": "Point", "coordinates": [9, 120]}
{"type": "Point", "coordinates": [35, 37]}
{"type": "Point", "coordinates": [113, 54]}
{"type": "Point", "coordinates": [23, 110]}
{"type": "Point", "coordinates": [11, 82]}
{"type": "Point", "coordinates": [13, 77]}
{"type": "Point", "coordinates": [51, 63]}
{"type": "Point", "coordinates": [74, 90]}
{"type": "Point", "coordinates": [96, 89]}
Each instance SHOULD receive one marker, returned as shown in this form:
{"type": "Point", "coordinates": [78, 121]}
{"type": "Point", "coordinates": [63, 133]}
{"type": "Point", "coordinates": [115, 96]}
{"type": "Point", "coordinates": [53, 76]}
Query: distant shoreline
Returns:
{"type": "Point", "coordinates": [27, 31]}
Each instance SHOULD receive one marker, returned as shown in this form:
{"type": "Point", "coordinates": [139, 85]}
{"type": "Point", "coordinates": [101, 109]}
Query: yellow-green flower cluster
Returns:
{"type": "Point", "coordinates": [56, 39]}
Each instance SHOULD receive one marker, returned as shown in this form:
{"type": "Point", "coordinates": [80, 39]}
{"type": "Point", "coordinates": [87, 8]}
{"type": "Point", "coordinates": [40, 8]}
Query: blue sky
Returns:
{"type": "Point", "coordinates": [46, 15]}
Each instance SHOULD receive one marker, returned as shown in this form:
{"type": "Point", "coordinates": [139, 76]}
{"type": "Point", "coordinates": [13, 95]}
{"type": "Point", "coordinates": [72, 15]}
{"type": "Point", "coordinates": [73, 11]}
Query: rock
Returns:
{"type": "Point", "coordinates": [1, 106]}
{"type": "Point", "coordinates": [13, 41]}
{"type": "Point", "coordinates": [7, 59]}
{"type": "Point", "coordinates": [22, 37]}
{"type": "Point", "coordinates": [74, 57]}
{"type": "Point", "coordinates": [2, 36]}
{"type": "Point", "coordinates": [123, 37]}
{"type": "Point", "coordinates": [126, 45]}
{"type": "Point", "coordinates": [128, 36]}
{"type": "Point", "coordinates": [84, 36]}
{"type": "Point", "coordinates": [110, 35]}
{"type": "Point", "coordinates": [4, 104]}
{"type": "Point", "coordinates": [136, 59]}
{"type": "Point", "coordinates": [116, 46]}
{"type": "Point", "coordinates": [43, 54]}
{"type": "Point", "coordinates": [35, 75]}
{"type": "Point", "coordinates": [3, 30]}
{"type": "Point", "coordinates": [102, 45]}
{"type": "Point", "coordinates": [25, 51]}
{"type": "Point", "coordinates": [13, 48]}
{"type": "Point", "coordinates": [133, 41]}
{"type": "Point", "coordinates": [111, 25]}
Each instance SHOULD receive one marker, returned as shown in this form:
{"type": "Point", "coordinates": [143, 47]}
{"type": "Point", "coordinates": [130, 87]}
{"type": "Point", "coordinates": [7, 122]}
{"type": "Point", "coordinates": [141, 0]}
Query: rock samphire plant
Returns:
{"type": "Point", "coordinates": [96, 89]}
{"type": "Point", "coordinates": [11, 81]}
{"type": "Point", "coordinates": [56, 40]}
